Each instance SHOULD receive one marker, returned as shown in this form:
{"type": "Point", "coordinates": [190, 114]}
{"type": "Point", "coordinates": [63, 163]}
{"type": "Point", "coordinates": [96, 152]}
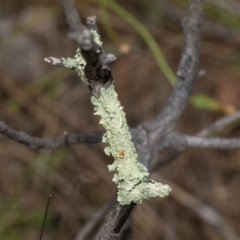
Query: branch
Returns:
{"type": "Point", "coordinates": [71, 14]}
{"type": "Point", "coordinates": [98, 76]}
{"type": "Point", "coordinates": [59, 62]}
{"type": "Point", "coordinates": [217, 126]}
{"type": "Point", "coordinates": [96, 69]}
{"type": "Point", "coordinates": [36, 142]}
{"type": "Point", "coordinates": [187, 72]}
{"type": "Point", "coordinates": [56, 62]}
{"type": "Point", "coordinates": [183, 82]}
{"type": "Point", "coordinates": [78, 31]}
{"type": "Point", "coordinates": [116, 219]}
{"type": "Point", "coordinates": [211, 28]}
{"type": "Point", "coordinates": [199, 142]}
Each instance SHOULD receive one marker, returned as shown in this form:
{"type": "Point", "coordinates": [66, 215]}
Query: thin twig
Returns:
{"type": "Point", "coordinates": [220, 124]}
{"type": "Point", "coordinates": [78, 31]}
{"type": "Point", "coordinates": [55, 142]}
{"type": "Point", "coordinates": [209, 27]}
{"type": "Point", "coordinates": [187, 72]}
{"type": "Point", "coordinates": [215, 127]}
{"type": "Point", "coordinates": [45, 216]}
{"type": "Point", "coordinates": [55, 61]}
{"type": "Point", "coordinates": [36, 142]}
{"type": "Point", "coordinates": [181, 140]}
{"type": "Point", "coordinates": [74, 153]}
{"type": "Point", "coordinates": [71, 14]}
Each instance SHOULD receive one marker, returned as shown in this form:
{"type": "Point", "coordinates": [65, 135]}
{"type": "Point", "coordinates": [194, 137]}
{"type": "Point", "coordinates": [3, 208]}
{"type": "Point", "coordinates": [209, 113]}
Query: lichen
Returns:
{"type": "Point", "coordinates": [96, 38]}
{"type": "Point", "coordinates": [130, 175]}
{"type": "Point", "coordinates": [78, 63]}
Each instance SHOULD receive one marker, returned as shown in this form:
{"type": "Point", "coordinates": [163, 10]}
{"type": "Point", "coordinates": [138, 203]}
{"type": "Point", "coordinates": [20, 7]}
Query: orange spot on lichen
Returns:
{"type": "Point", "coordinates": [120, 154]}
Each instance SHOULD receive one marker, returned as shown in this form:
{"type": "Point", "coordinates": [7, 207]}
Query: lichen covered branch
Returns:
{"type": "Point", "coordinates": [131, 176]}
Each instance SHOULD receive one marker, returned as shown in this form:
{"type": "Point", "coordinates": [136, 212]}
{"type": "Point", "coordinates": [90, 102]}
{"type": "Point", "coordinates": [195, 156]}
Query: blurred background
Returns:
{"type": "Point", "coordinates": [46, 101]}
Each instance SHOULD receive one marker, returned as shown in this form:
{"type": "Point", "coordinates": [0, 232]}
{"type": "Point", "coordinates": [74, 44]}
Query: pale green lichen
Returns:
{"type": "Point", "coordinates": [69, 62]}
{"type": "Point", "coordinates": [96, 38]}
{"type": "Point", "coordinates": [130, 175]}
{"type": "Point", "coordinates": [78, 63]}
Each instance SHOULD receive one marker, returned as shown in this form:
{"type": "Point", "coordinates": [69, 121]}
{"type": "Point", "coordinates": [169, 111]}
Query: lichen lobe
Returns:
{"type": "Point", "coordinates": [78, 63]}
{"type": "Point", "coordinates": [130, 175]}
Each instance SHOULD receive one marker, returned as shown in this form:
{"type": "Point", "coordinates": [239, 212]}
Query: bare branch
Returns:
{"type": "Point", "coordinates": [220, 125]}
{"type": "Point", "coordinates": [187, 72]}
{"type": "Point", "coordinates": [55, 61]}
{"type": "Point", "coordinates": [36, 142]}
{"type": "Point", "coordinates": [78, 31]}
{"type": "Point", "coordinates": [200, 142]}
{"type": "Point", "coordinates": [211, 28]}
{"type": "Point", "coordinates": [74, 138]}
{"type": "Point", "coordinates": [217, 126]}
{"type": "Point", "coordinates": [72, 16]}
{"type": "Point", "coordinates": [116, 219]}
{"type": "Point", "coordinates": [108, 58]}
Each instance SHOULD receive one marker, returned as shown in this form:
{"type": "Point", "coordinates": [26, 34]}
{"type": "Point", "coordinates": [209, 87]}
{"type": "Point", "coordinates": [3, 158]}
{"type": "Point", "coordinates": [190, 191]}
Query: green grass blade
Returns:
{"type": "Point", "coordinates": [147, 37]}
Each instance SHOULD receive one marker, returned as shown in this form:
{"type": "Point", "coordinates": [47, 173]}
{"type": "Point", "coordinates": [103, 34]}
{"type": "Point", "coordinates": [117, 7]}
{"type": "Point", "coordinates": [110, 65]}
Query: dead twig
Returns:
{"type": "Point", "coordinates": [215, 127]}
{"type": "Point", "coordinates": [36, 142]}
